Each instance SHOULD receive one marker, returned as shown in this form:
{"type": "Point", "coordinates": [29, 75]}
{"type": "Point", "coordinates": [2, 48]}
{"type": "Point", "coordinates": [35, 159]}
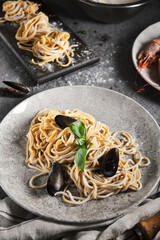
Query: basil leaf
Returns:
{"type": "Point", "coordinates": [81, 141]}
{"type": "Point", "coordinates": [78, 129]}
{"type": "Point", "coordinates": [80, 157]}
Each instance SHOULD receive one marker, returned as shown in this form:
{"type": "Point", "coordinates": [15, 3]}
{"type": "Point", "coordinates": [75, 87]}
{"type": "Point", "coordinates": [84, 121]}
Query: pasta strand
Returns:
{"type": "Point", "coordinates": [47, 143]}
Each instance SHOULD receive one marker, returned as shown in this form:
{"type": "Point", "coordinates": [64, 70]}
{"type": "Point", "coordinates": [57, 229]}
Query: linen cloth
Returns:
{"type": "Point", "coordinates": [18, 224]}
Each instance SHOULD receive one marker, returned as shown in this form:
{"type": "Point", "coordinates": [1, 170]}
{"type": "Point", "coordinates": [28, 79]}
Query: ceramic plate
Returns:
{"type": "Point", "coordinates": [117, 111]}
{"type": "Point", "coordinates": [141, 41]}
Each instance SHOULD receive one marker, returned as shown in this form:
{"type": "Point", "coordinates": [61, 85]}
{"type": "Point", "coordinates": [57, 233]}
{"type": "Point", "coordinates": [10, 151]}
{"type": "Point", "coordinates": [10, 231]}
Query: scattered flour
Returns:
{"type": "Point", "coordinates": [114, 1]}
{"type": "Point", "coordinates": [55, 26]}
{"type": "Point", "coordinates": [48, 66]}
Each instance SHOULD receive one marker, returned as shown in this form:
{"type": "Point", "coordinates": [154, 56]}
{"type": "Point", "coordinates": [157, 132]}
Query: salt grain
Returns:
{"type": "Point", "coordinates": [54, 26]}
{"type": "Point", "coordinates": [48, 66]}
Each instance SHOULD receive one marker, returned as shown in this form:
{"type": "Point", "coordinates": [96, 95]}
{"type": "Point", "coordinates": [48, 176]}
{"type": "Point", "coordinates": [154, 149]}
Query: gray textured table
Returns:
{"type": "Point", "coordinates": [115, 69]}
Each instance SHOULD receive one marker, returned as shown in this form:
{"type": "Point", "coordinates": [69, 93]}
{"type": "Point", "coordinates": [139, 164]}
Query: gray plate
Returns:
{"type": "Point", "coordinates": [117, 111]}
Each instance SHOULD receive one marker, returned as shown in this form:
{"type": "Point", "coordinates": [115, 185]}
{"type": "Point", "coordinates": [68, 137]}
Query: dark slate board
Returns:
{"type": "Point", "coordinates": [83, 55]}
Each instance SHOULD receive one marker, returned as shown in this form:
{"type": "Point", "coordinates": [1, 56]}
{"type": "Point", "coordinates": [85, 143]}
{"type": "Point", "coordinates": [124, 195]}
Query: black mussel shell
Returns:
{"type": "Point", "coordinates": [64, 121]}
{"type": "Point", "coordinates": [55, 179]}
{"type": "Point", "coordinates": [17, 87]}
{"type": "Point", "coordinates": [15, 92]}
{"type": "Point", "coordinates": [109, 162]}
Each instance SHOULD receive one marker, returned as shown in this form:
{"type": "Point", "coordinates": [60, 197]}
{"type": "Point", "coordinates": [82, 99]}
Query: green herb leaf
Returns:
{"type": "Point", "coordinates": [81, 141]}
{"type": "Point", "coordinates": [80, 157]}
{"type": "Point", "coordinates": [78, 129]}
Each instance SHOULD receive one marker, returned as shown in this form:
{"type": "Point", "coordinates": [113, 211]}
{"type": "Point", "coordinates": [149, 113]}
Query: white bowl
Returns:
{"type": "Point", "coordinates": [151, 76]}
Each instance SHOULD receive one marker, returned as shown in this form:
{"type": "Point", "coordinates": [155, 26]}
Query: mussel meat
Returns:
{"type": "Point", "coordinates": [55, 179]}
{"type": "Point", "coordinates": [109, 162]}
{"type": "Point", "coordinates": [64, 121]}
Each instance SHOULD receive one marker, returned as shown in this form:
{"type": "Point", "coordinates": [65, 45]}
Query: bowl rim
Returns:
{"type": "Point", "coordinates": [106, 5]}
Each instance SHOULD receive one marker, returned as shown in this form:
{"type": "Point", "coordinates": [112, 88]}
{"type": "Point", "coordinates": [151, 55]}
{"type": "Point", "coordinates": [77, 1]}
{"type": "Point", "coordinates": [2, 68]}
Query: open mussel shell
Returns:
{"type": "Point", "coordinates": [17, 88]}
{"type": "Point", "coordinates": [55, 179]}
{"type": "Point", "coordinates": [15, 92]}
{"type": "Point", "coordinates": [109, 162]}
{"type": "Point", "coordinates": [64, 121]}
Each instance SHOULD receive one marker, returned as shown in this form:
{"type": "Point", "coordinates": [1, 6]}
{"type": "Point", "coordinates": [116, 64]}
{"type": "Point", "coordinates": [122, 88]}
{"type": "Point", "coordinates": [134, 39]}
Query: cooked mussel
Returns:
{"type": "Point", "coordinates": [55, 179]}
{"type": "Point", "coordinates": [64, 121]}
{"type": "Point", "coordinates": [17, 89]}
{"type": "Point", "coordinates": [109, 162]}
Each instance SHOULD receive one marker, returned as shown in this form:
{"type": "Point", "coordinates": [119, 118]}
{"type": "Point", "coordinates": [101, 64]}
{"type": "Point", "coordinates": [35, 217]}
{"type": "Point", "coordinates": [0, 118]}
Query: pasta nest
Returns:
{"type": "Point", "coordinates": [31, 29]}
{"type": "Point", "coordinates": [53, 47]}
{"type": "Point", "coordinates": [17, 11]}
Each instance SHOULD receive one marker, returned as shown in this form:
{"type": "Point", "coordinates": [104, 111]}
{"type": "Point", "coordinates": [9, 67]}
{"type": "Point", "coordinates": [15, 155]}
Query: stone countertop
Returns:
{"type": "Point", "coordinates": [115, 69]}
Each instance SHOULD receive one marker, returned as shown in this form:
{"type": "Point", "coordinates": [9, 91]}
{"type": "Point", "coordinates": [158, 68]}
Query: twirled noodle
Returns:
{"type": "Point", "coordinates": [52, 47]}
{"type": "Point", "coordinates": [35, 35]}
{"type": "Point", "coordinates": [17, 11]}
{"type": "Point", "coordinates": [47, 142]}
{"type": "Point", "coordinates": [30, 30]}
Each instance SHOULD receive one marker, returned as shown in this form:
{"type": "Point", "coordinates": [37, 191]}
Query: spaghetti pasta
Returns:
{"type": "Point", "coordinates": [17, 11]}
{"type": "Point", "coordinates": [52, 47]}
{"type": "Point", "coordinates": [30, 30]}
{"type": "Point", "coordinates": [47, 143]}
{"type": "Point", "coordinates": [34, 33]}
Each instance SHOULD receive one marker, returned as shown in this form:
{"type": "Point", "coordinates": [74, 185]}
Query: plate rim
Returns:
{"type": "Point", "coordinates": [134, 205]}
